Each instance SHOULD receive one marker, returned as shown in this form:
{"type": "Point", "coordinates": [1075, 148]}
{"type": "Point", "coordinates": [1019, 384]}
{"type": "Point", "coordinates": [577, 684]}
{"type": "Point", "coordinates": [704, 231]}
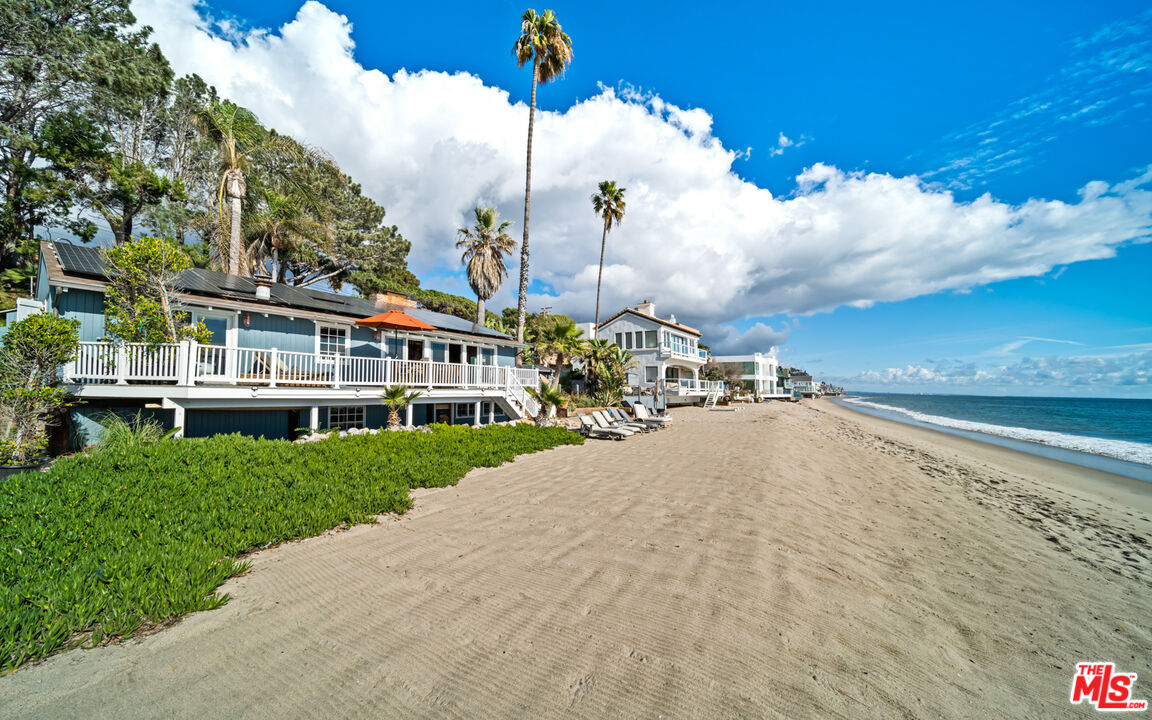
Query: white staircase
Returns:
{"type": "Point", "coordinates": [713, 398]}
{"type": "Point", "coordinates": [518, 398]}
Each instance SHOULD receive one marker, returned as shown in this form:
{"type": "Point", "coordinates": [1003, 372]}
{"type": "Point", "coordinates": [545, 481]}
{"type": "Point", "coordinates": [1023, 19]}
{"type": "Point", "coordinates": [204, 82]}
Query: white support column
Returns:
{"type": "Point", "coordinates": [476, 415]}
{"type": "Point", "coordinates": [192, 351]}
{"type": "Point", "coordinates": [314, 418]}
{"type": "Point", "coordinates": [491, 412]}
{"type": "Point", "coordinates": [121, 364]}
{"type": "Point", "coordinates": [408, 418]}
{"type": "Point", "coordinates": [178, 420]}
{"type": "Point", "coordinates": [183, 359]}
{"type": "Point", "coordinates": [274, 364]}
{"type": "Point", "coordinates": [231, 364]}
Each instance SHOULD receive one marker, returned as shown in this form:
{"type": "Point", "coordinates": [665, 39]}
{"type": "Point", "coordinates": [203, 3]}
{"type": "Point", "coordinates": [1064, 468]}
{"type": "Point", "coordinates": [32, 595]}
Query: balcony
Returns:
{"type": "Point", "coordinates": [190, 364]}
{"type": "Point", "coordinates": [685, 353]}
{"type": "Point", "coordinates": [692, 387]}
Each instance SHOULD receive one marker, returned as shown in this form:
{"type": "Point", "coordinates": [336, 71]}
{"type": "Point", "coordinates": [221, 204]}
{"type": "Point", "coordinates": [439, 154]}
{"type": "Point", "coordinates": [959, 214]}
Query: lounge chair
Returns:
{"type": "Point", "coordinates": [623, 419]}
{"type": "Point", "coordinates": [642, 414]}
{"type": "Point", "coordinates": [603, 421]}
{"type": "Point", "coordinates": [619, 419]}
{"type": "Point", "coordinates": [590, 429]}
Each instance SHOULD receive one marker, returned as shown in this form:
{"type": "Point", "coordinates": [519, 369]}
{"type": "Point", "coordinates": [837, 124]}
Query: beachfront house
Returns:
{"type": "Point", "coordinates": [280, 358]}
{"type": "Point", "coordinates": [784, 381]}
{"type": "Point", "coordinates": [803, 383]}
{"type": "Point", "coordinates": [668, 354]}
{"type": "Point", "coordinates": [756, 373]}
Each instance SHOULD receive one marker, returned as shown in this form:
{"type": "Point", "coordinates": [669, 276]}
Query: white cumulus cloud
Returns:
{"type": "Point", "coordinates": [1123, 373]}
{"type": "Point", "coordinates": [698, 239]}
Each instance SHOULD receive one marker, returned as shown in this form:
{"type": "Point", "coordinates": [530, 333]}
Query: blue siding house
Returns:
{"type": "Point", "coordinates": [280, 359]}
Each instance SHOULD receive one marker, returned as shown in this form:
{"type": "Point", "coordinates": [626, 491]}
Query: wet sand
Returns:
{"type": "Point", "coordinates": [781, 561]}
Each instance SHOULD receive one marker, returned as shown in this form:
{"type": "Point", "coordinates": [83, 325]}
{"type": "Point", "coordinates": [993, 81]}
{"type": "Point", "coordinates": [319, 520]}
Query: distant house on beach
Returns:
{"type": "Point", "coordinates": [280, 357]}
{"type": "Point", "coordinates": [756, 372]}
{"type": "Point", "coordinates": [803, 383]}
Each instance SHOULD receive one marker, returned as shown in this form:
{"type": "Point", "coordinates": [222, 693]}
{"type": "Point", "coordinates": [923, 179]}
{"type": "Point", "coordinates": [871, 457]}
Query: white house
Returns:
{"type": "Point", "coordinates": [806, 385]}
{"type": "Point", "coordinates": [667, 353]}
{"type": "Point", "coordinates": [757, 372]}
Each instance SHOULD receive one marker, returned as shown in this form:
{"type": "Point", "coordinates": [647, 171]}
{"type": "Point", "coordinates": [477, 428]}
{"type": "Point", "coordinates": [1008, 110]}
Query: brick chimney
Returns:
{"type": "Point", "coordinates": [392, 299]}
{"type": "Point", "coordinates": [647, 307]}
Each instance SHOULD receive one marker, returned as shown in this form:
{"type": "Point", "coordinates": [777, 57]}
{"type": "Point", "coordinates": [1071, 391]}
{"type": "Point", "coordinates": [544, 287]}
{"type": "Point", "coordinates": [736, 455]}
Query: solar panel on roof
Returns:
{"type": "Point", "coordinates": [83, 260]}
{"type": "Point", "coordinates": [78, 259]}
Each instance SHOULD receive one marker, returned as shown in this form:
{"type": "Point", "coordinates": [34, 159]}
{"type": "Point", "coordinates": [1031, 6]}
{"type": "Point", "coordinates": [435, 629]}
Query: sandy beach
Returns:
{"type": "Point", "coordinates": [780, 561]}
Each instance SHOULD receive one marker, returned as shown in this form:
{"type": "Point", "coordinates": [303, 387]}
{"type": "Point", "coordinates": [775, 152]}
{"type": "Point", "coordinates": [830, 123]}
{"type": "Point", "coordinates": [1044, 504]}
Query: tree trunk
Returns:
{"type": "Point", "coordinates": [522, 304]}
{"type": "Point", "coordinates": [166, 308]}
{"type": "Point", "coordinates": [126, 228]}
{"type": "Point", "coordinates": [234, 235]}
{"type": "Point", "coordinates": [481, 313]}
{"type": "Point", "coordinates": [599, 276]}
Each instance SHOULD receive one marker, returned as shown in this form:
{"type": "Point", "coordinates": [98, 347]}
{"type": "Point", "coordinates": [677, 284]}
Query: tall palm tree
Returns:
{"type": "Point", "coordinates": [550, 50]}
{"type": "Point", "coordinates": [236, 132]}
{"type": "Point", "coordinates": [609, 203]}
{"type": "Point", "coordinates": [562, 342]}
{"type": "Point", "coordinates": [485, 246]}
{"type": "Point", "coordinates": [239, 138]}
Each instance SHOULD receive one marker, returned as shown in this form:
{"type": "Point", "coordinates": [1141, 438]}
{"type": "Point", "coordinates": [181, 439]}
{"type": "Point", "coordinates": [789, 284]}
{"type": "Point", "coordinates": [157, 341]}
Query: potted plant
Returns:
{"type": "Point", "coordinates": [31, 353]}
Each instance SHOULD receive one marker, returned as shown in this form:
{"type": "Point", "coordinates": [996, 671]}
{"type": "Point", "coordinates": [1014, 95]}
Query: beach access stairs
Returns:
{"type": "Point", "coordinates": [713, 398]}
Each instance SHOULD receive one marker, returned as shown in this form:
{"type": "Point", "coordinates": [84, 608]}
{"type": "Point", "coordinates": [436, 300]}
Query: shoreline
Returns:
{"type": "Point", "coordinates": [1093, 483]}
{"type": "Point", "coordinates": [1102, 463]}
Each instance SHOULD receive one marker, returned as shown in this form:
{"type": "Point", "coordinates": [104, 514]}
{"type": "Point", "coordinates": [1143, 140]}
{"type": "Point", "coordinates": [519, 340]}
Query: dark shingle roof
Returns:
{"type": "Point", "coordinates": [86, 261]}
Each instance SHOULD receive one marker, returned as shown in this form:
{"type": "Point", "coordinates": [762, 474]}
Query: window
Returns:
{"type": "Point", "coordinates": [332, 340]}
{"type": "Point", "coordinates": [465, 409]}
{"type": "Point", "coordinates": [619, 340]}
{"type": "Point", "coordinates": [351, 416]}
{"type": "Point", "coordinates": [651, 372]}
{"type": "Point", "coordinates": [628, 341]}
{"type": "Point", "coordinates": [639, 339]}
{"type": "Point", "coordinates": [679, 344]}
{"type": "Point", "coordinates": [649, 338]}
{"type": "Point", "coordinates": [486, 409]}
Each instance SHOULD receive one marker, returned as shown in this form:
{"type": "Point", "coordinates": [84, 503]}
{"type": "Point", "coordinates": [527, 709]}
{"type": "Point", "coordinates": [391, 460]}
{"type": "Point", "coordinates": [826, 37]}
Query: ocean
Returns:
{"type": "Point", "coordinates": [1113, 435]}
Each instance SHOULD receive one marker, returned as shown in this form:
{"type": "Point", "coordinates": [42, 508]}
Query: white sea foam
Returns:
{"type": "Point", "coordinates": [1120, 449]}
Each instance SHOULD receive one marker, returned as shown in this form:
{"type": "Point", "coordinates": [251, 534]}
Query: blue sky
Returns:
{"type": "Point", "coordinates": [926, 224]}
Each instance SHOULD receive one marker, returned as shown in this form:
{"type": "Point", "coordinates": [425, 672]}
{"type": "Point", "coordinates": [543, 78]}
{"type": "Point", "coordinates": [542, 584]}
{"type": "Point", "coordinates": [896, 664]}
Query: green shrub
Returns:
{"type": "Point", "coordinates": [123, 433]}
{"type": "Point", "coordinates": [135, 533]}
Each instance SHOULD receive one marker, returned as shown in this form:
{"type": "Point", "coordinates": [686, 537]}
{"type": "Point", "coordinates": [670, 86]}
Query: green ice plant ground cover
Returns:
{"type": "Point", "coordinates": [137, 533]}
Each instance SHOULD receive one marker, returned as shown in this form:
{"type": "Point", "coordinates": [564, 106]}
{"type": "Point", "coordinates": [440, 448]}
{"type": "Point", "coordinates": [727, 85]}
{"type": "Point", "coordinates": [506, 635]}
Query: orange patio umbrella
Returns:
{"type": "Point", "coordinates": [395, 320]}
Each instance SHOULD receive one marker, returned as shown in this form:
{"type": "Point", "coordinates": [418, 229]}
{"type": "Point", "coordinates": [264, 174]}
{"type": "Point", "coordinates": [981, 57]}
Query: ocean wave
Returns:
{"type": "Point", "coordinates": [1119, 449]}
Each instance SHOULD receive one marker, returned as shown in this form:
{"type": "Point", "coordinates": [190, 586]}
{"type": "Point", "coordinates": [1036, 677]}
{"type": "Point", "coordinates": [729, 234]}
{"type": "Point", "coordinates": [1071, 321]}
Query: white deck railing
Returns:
{"type": "Point", "coordinates": [193, 364]}
{"type": "Point", "coordinates": [693, 387]}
